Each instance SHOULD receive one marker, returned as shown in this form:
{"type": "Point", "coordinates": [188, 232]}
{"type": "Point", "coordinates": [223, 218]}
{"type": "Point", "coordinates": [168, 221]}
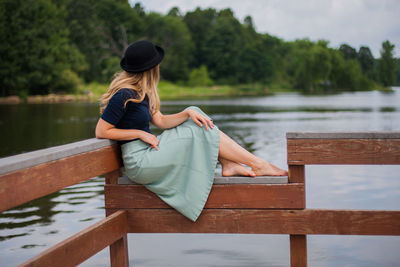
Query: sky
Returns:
{"type": "Point", "coordinates": [355, 22]}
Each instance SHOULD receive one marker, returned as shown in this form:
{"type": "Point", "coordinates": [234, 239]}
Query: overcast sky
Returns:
{"type": "Point", "coordinates": [355, 22]}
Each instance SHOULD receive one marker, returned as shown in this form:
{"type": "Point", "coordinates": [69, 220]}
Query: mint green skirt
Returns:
{"type": "Point", "coordinates": [182, 171]}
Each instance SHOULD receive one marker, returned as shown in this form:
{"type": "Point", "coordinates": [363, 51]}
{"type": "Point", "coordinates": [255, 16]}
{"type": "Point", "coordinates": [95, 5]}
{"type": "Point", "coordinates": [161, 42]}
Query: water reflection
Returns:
{"type": "Point", "coordinates": [259, 124]}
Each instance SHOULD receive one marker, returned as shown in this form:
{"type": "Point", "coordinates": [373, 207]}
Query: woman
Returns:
{"type": "Point", "coordinates": [179, 164]}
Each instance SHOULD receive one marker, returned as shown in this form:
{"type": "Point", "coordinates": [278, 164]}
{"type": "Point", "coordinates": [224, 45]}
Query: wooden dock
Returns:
{"type": "Point", "coordinates": [263, 205]}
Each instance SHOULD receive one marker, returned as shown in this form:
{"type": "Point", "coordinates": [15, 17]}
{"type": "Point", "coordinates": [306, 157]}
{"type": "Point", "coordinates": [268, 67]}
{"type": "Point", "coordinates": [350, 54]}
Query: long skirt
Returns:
{"type": "Point", "coordinates": [182, 171]}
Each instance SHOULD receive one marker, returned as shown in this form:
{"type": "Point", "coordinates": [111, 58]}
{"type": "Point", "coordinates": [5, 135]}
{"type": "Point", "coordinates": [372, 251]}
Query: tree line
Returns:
{"type": "Point", "coordinates": [56, 45]}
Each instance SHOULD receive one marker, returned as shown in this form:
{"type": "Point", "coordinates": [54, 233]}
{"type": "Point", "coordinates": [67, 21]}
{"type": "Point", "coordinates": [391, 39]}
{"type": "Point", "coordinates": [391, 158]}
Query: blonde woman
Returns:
{"type": "Point", "coordinates": [179, 164]}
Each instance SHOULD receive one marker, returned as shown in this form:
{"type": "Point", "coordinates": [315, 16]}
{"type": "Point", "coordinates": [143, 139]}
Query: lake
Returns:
{"type": "Point", "coordinates": [257, 123]}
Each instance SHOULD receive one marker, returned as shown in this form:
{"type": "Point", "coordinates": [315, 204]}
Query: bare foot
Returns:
{"type": "Point", "coordinates": [264, 168]}
{"type": "Point", "coordinates": [230, 168]}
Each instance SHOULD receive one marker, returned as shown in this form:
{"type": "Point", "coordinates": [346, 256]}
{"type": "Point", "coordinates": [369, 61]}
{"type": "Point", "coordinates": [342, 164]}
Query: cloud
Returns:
{"type": "Point", "coordinates": [355, 22]}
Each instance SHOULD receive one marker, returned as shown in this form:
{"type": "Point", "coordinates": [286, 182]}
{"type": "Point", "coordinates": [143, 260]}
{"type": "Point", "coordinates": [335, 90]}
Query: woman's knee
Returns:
{"type": "Point", "coordinates": [198, 110]}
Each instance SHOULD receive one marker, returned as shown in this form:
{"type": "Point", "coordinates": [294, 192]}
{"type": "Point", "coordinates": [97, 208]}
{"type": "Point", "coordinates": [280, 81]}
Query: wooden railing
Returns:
{"type": "Point", "coordinates": [262, 205]}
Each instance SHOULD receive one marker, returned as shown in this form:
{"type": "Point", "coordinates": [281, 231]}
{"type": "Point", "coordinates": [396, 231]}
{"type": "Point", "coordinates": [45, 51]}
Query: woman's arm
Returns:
{"type": "Point", "coordinates": [107, 130]}
{"type": "Point", "coordinates": [173, 120]}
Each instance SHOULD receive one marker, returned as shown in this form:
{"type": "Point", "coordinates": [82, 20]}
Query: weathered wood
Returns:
{"type": "Point", "coordinates": [343, 135]}
{"type": "Point", "coordinates": [24, 185]}
{"type": "Point", "coordinates": [119, 253]}
{"type": "Point", "coordinates": [343, 151]}
{"type": "Point", "coordinates": [232, 180]}
{"type": "Point", "coordinates": [30, 159]}
{"type": "Point", "coordinates": [84, 244]}
{"type": "Point", "coordinates": [112, 177]}
{"type": "Point", "coordinates": [245, 196]}
{"type": "Point", "coordinates": [298, 250]}
{"type": "Point", "coordinates": [297, 175]}
{"type": "Point", "coordinates": [257, 221]}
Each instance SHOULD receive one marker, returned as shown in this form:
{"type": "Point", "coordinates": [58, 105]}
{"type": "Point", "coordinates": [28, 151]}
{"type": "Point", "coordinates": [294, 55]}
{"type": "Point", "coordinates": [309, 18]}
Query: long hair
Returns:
{"type": "Point", "coordinates": [143, 83]}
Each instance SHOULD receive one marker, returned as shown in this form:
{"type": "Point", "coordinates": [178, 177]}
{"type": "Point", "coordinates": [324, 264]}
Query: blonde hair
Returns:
{"type": "Point", "coordinates": [143, 83]}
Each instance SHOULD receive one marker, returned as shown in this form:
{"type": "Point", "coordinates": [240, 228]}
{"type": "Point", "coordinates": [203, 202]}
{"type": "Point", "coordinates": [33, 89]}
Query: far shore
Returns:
{"type": "Point", "coordinates": [50, 98]}
{"type": "Point", "coordinates": [166, 90]}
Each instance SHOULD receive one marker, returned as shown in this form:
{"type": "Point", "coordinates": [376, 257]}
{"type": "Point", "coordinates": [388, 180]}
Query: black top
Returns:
{"type": "Point", "coordinates": [133, 116]}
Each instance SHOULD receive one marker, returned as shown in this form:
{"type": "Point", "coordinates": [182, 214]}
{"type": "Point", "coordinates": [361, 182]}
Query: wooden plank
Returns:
{"type": "Point", "coordinates": [297, 175]}
{"type": "Point", "coordinates": [24, 185]}
{"type": "Point", "coordinates": [235, 196]}
{"type": "Point", "coordinates": [343, 151]}
{"type": "Point", "coordinates": [257, 221]}
{"type": "Point", "coordinates": [112, 177]}
{"type": "Point", "coordinates": [343, 135]}
{"type": "Point", "coordinates": [119, 253]}
{"type": "Point", "coordinates": [232, 180]}
{"type": "Point", "coordinates": [84, 244]}
{"type": "Point", "coordinates": [30, 159]}
{"type": "Point", "coordinates": [298, 250]}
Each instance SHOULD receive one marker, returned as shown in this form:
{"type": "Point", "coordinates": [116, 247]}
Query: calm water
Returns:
{"type": "Point", "coordinates": [260, 125]}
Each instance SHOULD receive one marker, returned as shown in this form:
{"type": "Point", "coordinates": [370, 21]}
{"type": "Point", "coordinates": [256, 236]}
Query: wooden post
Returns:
{"type": "Point", "coordinates": [119, 253]}
{"type": "Point", "coordinates": [298, 243]}
{"type": "Point", "coordinates": [119, 249]}
{"type": "Point", "coordinates": [298, 250]}
{"type": "Point", "coordinates": [112, 177]}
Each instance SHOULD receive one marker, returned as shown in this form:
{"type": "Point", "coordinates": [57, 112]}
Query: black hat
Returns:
{"type": "Point", "coordinates": [141, 56]}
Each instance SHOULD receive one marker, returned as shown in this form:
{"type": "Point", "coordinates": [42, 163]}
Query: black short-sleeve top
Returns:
{"type": "Point", "coordinates": [132, 116]}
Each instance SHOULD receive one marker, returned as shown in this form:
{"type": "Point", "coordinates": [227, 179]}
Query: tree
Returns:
{"type": "Point", "coordinates": [345, 74]}
{"type": "Point", "coordinates": [348, 51]}
{"type": "Point", "coordinates": [223, 45]}
{"type": "Point", "coordinates": [398, 72]}
{"type": "Point", "coordinates": [36, 55]}
{"type": "Point", "coordinates": [102, 29]}
{"type": "Point", "coordinates": [200, 77]}
{"type": "Point", "coordinates": [366, 60]}
{"type": "Point", "coordinates": [175, 12]}
{"type": "Point", "coordinates": [387, 64]}
{"type": "Point", "coordinates": [200, 23]}
{"type": "Point", "coordinates": [172, 34]}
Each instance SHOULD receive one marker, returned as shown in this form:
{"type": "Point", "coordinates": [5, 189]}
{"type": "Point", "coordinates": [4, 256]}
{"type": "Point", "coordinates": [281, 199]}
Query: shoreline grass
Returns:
{"type": "Point", "coordinates": [91, 92]}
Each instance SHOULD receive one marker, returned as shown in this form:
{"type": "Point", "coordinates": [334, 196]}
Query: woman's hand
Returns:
{"type": "Point", "coordinates": [150, 139]}
{"type": "Point", "coordinates": [199, 119]}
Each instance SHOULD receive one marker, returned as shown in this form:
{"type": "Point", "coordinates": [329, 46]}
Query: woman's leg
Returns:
{"type": "Point", "coordinates": [231, 153]}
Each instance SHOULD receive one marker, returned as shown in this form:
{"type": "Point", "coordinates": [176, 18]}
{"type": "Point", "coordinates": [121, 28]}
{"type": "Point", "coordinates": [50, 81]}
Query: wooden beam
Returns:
{"type": "Point", "coordinates": [119, 253]}
{"type": "Point", "coordinates": [297, 175]}
{"type": "Point", "coordinates": [41, 156]}
{"type": "Point", "coordinates": [84, 244]}
{"type": "Point", "coordinates": [257, 221]}
{"type": "Point", "coordinates": [234, 196]}
{"type": "Point", "coordinates": [343, 151]}
{"type": "Point", "coordinates": [24, 185]}
{"type": "Point", "coordinates": [298, 250]}
{"type": "Point", "coordinates": [112, 177]}
{"type": "Point", "coordinates": [343, 135]}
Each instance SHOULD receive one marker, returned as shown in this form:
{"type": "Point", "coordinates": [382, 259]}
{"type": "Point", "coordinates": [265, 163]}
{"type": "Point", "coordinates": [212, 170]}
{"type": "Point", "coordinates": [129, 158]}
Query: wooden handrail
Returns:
{"type": "Point", "coordinates": [35, 174]}
{"type": "Point", "coordinates": [37, 157]}
{"type": "Point", "coordinates": [84, 244]}
{"type": "Point", "coordinates": [343, 148]}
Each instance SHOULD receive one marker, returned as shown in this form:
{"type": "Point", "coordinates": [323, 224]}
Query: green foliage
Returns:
{"type": "Point", "coordinates": [56, 46]}
{"type": "Point", "coordinates": [223, 44]}
{"type": "Point", "coordinates": [199, 77]}
{"type": "Point", "coordinates": [171, 33]}
{"type": "Point", "coordinates": [348, 51]}
{"type": "Point", "coordinates": [35, 49]}
{"type": "Point", "coordinates": [367, 61]}
{"type": "Point", "coordinates": [397, 72]}
{"type": "Point", "coordinates": [387, 64]}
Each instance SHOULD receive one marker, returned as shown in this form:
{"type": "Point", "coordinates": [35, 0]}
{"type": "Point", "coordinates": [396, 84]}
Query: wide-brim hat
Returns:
{"type": "Point", "coordinates": [141, 56]}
